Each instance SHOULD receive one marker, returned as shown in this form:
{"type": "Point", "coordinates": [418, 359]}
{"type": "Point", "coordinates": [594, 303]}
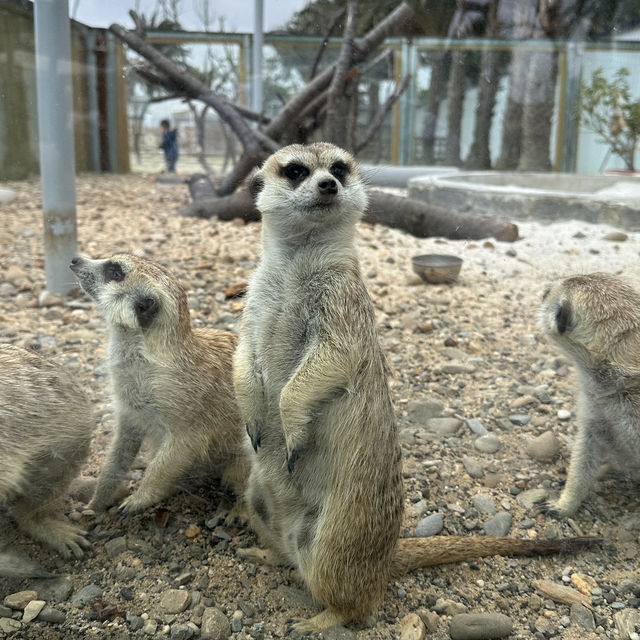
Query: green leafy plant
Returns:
{"type": "Point", "coordinates": [609, 111]}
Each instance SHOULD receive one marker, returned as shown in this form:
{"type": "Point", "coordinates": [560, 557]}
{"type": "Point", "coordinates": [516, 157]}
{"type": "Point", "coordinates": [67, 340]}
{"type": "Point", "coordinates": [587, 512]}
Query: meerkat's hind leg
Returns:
{"type": "Point", "coordinates": [320, 622]}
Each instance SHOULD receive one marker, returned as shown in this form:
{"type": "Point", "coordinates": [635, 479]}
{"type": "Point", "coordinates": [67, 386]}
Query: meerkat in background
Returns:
{"type": "Point", "coordinates": [171, 384]}
{"type": "Point", "coordinates": [325, 491]}
{"type": "Point", "coordinates": [595, 320]}
{"type": "Point", "coordinates": [45, 431]}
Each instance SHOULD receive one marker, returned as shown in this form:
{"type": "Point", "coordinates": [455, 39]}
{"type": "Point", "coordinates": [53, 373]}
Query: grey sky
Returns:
{"type": "Point", "coordinates": [238, 14]}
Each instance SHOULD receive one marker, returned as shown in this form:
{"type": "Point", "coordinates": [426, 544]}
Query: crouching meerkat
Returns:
{"type": "Point", "coordinates": [325, 492]}
{"type": "Point", "coordinates": [170, 383]}
{"type": "Point", "coordinates": [595, 320]}
{"type": "Point", "coordinates": [45, 431]}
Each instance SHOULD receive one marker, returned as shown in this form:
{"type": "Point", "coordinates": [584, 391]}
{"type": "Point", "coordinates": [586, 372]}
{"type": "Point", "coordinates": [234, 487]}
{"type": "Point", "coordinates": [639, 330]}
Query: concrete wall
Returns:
{"type": "Point", "coordinates": [18, 106]}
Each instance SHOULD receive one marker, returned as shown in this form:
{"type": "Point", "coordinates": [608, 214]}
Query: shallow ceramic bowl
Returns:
{"type": "Point", "coordinates": [435, 268]}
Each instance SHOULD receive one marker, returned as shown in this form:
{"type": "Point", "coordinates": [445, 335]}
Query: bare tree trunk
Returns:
{"type": "Point", "coordinates": [455, 101]}
{"type": "Point", "coordinates": [537, 114]}
{"type": "Point", "coordinates": [336, 125]}
{"type": "Point", "coordinates": [480, 155]}
{"type": "Point", "coordinates": [434, 98]}
{"type": "Point", "coordinates": [525, 24]}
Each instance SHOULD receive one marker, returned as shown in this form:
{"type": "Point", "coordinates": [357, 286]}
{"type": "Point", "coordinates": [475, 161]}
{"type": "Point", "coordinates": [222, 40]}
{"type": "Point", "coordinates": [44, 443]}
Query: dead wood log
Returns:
{"type": "Point", "coordinates": [413, 216]}
{"type": "Point", "coordinates": [425, 221]}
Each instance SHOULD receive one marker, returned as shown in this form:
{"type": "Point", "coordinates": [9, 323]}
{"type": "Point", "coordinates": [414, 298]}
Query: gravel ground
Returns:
{"type": "Point", "coordinates": [466, 359]}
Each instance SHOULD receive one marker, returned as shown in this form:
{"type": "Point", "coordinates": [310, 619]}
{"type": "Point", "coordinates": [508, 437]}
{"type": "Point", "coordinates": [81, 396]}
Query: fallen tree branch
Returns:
{"type": "Point", "coordinates": [413, 216]}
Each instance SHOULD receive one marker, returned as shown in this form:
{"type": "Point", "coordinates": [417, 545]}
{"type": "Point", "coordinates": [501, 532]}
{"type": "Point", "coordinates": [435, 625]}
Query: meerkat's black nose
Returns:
{"type": "Point", "coordinates": [328, 186]}
{"type": "Point", "coordinates": [75, 260]}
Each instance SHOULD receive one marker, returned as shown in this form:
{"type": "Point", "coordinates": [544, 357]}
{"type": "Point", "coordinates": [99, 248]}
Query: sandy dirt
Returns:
{"type": "Point", "coordinates": [468, 352]}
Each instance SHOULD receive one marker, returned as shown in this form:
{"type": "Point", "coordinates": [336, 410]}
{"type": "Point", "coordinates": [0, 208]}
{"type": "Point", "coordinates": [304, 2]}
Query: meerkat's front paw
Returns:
{"type": "Point", "coordinates": [66, 539]}
{"type": "Point", "coordinates": [552, 509]}
{"type": "Point", "coordinates": [134, 504]}
{"type": "Point", "coordinates": [254, 431]}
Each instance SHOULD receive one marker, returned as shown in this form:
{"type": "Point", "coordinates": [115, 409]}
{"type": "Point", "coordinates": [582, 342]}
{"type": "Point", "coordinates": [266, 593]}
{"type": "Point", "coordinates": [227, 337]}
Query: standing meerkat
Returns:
{"type": "Point", "coordinates": [595, 320]}
{"type": "Point", "coordinates": [325, 491]}
{"type": "Point", "coordinates": [45, 431]}
{"type": "Point", "coordinates": [171, 384]}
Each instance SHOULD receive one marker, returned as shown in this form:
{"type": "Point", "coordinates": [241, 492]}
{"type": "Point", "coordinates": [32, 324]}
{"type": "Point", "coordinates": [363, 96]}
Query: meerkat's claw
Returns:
{"type": "Point", "coordinates": [548, 508]}
{"type": "Point", "coordinates": [254, 431]}
{"type": "Point", "coordinates": [132, 506]}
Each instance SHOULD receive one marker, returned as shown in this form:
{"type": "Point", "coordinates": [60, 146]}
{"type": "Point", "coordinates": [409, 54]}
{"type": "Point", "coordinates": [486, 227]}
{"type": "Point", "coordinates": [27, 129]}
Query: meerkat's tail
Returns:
{"type": "Point", "coordinates": [19, 565]}
{"type": "Point", "coordinates": [413, 553]}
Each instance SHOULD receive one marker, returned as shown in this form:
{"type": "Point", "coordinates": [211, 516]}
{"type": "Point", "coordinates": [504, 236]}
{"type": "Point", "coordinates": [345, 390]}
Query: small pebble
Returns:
{"type": "Point", "coordinates": [429, 526]}
{"type": "Point", "coordinates": [480, 626]}
{"type": "Point", "coordinates": [499, 525]}
{"type": "Point", "coordinates": [487, 444]}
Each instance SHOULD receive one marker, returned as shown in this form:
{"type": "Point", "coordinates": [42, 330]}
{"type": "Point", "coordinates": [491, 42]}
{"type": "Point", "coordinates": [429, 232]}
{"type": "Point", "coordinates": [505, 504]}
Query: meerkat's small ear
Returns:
{"type": "Point", "coordinates": [563, 316]}
{"type": "Point", "coordinates": [146, 309]}
{"type": "Point", "coordinates": [256, 183]}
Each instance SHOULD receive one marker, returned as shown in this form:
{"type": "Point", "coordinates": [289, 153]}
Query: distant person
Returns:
{"type": "Point", "coordinates": [169, 145]}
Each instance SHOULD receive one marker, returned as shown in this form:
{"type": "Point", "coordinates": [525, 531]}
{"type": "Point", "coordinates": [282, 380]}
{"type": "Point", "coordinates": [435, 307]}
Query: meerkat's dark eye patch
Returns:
{"type": "Point", "coordinates": [146, 309]}
{"type": "Point", "coordinates": [113, 272]}
{"type": "Point", "coordinates": [295, 173]}
{"type": "Point", "coordinates": [339, 170]}
{"type": "Point", "coordinates": [563, 316]}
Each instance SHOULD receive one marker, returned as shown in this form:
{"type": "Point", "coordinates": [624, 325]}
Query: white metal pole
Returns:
{"type": "Point", "coordinates": [257, 55]}
{"type": "Point", "coordinates": [55, 125]}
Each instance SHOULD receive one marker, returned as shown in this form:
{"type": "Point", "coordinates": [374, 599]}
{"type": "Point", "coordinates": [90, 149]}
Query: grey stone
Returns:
{"type": "Point", "coordinates": [487, 444]}
{"type": "Point", "coordinates": [443, 426]}
{"type": "Point", "coordinates": [32, 610]}
{"type": "Point", "coordinates": [5, 612]}
{"type": "Point", "coordinates": [135, 622]}
{"type": "Point", "coordinates": [480, 626]}
{"type": "Point", "coordinates": [338, 633]}
{"type": "Point", "coordinates": [236, 621]}
{"type": "Point", "coordinates": [449, 607]}
{"type": "Point", "coordinates": [420, 412]}
{"type": "Point", "coordinates": [499, 525]}
{"type": "Point", "coordinates": [473, 467]}
{"type": "Point", "coordinates": [175, 600]}
{"type": "Point", "coordinates": [563, 414]}
{"type": "Point", "coordinates": [531, 496]}
{"type": "Point", "coordinates": [20, 599]}
{"type": "Point", "coordinates": [520, 419]}
{"type": "Point", "coordinates": [484, 503]}
{"type": "Point", "coordinates": [86, 595]}
{"type": "Point", "coordinates": [545, 447]}
{"type": "Point", "coordinates": [454, 367]}
{"type": "Point", "coordinates": [215, 624]}
{"type": "Point", "coordinates": [115, 546]}
{"type": "Point", "coordinates": [429, 526]}
{"type": "Point", "coordinates": [181, 631]}
{"type": "Point", "coordinates": [54, 590]}
{"type": "Point", "coordinates": [54, 616]}
{"type": "Point", "coordinates": [616, 236]}
{"type": "Point", "coordinates": [627, 621]}
{"type": "Point", "coordinates": [9, 626]}
{"type": "Point", "coordinates": [582, 617]}
{"type": "Point", "coordinates": [150, 627]}
{"type": "Point", "coordinates": [476, 427]}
